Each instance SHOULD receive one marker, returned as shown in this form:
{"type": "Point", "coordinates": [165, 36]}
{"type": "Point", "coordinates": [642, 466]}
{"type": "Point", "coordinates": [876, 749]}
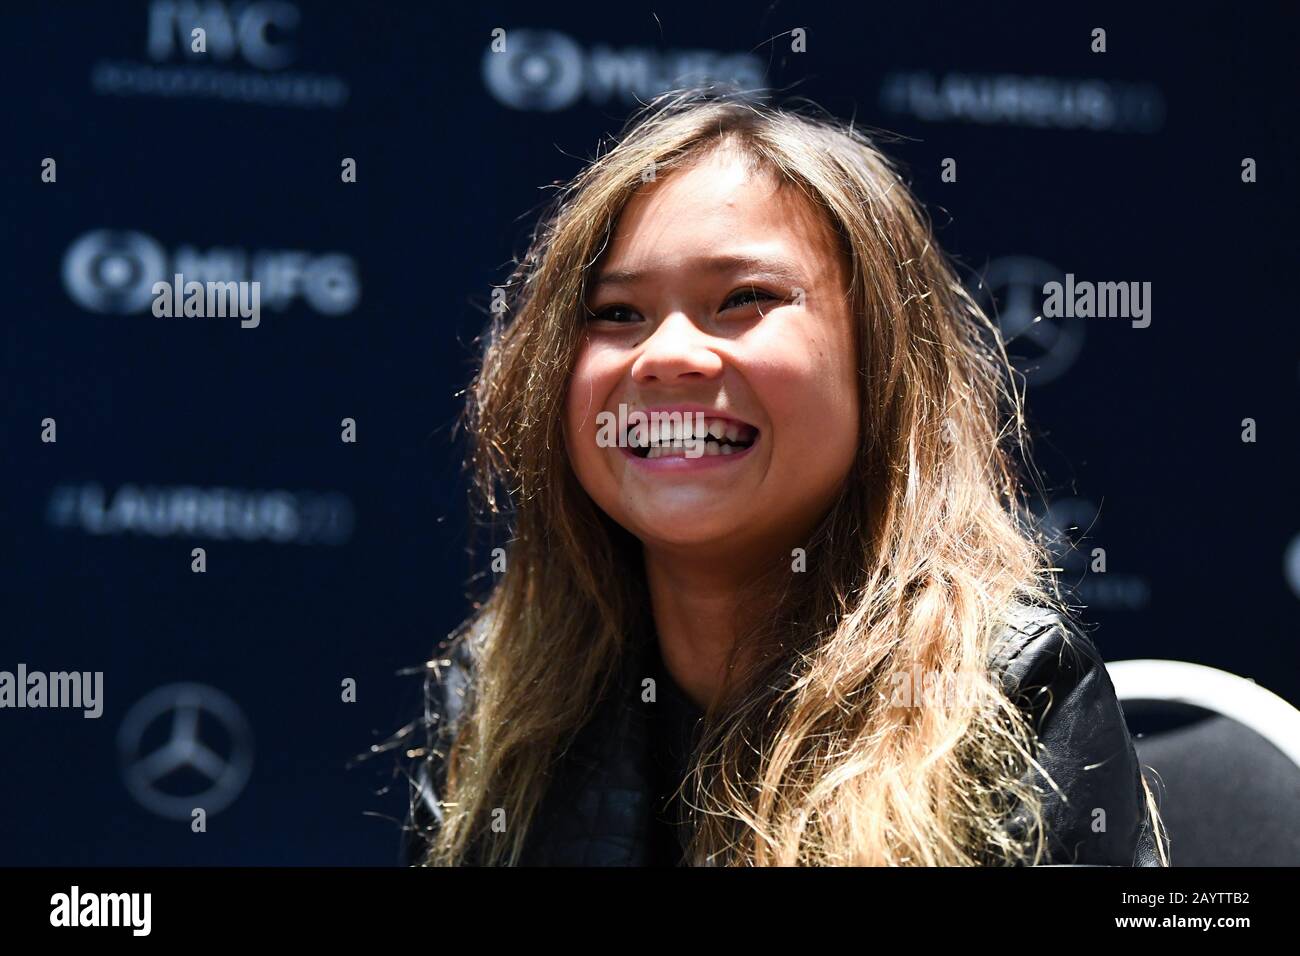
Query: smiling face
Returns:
{"type": "Point", "coordinates": [723, 295]}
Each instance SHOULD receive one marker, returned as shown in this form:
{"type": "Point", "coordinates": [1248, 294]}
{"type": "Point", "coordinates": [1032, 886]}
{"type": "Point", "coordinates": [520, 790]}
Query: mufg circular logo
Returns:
{"type": "Point", "coordinates": [535, 70]}
{"type": "Point", "coordinates": [107, 271]}
{"type": "Point", "coordinates": [1292, 565]}
{"type": "Point", "coordinates": [544, 70]}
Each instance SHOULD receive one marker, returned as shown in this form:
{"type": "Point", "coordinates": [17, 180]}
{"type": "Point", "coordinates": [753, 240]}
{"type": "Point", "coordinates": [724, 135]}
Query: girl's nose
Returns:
{"type": "Point", "coordinates": [676, 351]}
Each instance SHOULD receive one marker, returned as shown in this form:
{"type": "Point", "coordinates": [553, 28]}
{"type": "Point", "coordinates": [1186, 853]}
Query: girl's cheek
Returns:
{"type": "Point", "coordinates": [795, 349]}
{"type": "Point", "coordinates": [590, 387]}
{"type": "Point", "coordinates": [583, 397]}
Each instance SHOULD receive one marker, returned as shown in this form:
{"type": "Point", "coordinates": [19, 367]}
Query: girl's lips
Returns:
{"type": "Point", "coordinates": [680, 463]}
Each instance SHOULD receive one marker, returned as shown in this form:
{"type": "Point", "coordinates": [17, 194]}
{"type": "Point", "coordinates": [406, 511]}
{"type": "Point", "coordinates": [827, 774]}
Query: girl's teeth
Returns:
{"type": "Point", "coordinates": [668, 438]}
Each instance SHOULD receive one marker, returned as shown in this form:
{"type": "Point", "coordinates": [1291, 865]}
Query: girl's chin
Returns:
{"type": "Point", "coordinates": [676, 530]}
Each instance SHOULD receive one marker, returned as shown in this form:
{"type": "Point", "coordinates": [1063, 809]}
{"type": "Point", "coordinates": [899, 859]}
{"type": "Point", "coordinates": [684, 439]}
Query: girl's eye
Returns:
{"type": "Point", "coordinates": [620, 314]}
{"type": "Point", "coordinates": [750, 296]}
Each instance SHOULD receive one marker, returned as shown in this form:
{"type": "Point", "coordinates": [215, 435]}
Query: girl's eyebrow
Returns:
{"type": "Point", "coordinates": [767, 267]}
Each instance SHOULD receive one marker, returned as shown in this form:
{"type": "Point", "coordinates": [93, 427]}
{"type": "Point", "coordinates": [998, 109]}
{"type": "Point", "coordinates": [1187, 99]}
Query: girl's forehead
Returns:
{"type": "Point", "coordinates": [700, 212]}
{"type": "Point", "coordinates": [722, 173]}
{"type": "Point", "coordinates": [721, 196]}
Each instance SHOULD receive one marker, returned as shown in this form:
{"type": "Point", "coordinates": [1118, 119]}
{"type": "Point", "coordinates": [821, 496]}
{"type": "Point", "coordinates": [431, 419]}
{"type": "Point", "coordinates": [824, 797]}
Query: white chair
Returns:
{"type": "Point", "coordinates": [1226, 759]}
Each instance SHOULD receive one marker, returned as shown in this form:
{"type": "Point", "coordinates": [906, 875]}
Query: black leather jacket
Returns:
{"type": "Point", "coordinates": [598, 809]}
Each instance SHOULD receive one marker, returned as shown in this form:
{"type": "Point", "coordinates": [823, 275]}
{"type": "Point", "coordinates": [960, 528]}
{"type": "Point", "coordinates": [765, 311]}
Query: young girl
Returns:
{"type": "Point", "coordinates": [769, 594]}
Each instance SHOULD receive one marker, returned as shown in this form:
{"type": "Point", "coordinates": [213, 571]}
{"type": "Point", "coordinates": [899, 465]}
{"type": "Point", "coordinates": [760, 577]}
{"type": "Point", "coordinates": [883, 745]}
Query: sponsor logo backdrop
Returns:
{"type": "Point", "coordinates": [329, 561]}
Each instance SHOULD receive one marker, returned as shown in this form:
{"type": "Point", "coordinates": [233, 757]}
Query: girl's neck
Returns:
{"type": "Point", "coordinates": [698, 614]}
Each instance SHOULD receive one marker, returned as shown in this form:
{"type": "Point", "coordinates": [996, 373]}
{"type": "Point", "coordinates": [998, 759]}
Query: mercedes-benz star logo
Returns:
{"type": "Point", "coordinates": [1042, 349]}
{"type": "Point", "coordinates": [204, 761]}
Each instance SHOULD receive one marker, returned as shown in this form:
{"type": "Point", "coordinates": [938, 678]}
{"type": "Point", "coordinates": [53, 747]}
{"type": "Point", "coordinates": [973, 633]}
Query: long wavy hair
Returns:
{"type": "Point", "coordinates": [805, 758]}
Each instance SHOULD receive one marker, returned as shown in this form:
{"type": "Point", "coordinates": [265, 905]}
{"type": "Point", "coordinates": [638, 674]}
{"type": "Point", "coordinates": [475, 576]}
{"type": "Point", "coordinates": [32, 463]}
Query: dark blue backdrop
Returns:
{"type": "Point", "coordinates": [329, 560]}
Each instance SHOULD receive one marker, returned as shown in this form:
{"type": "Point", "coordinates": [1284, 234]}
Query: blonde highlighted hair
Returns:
{"type": "Point", "coordinates": [805, 759]}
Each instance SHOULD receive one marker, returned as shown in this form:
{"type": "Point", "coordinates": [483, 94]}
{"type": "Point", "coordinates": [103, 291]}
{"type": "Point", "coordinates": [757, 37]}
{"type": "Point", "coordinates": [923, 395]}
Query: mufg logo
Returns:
{"type": "Point", "coordinates": [544, 70]}
{"type": "Point", "coordinates": [114, 272]}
